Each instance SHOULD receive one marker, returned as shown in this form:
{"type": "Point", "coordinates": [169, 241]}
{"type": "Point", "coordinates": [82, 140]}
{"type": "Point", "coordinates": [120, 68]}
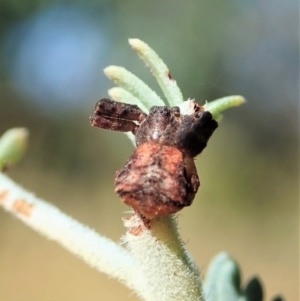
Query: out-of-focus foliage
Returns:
{"type": "Point", "coordinates": [51, 61]}
{"type": "Point", "coordinates": [13, 144]}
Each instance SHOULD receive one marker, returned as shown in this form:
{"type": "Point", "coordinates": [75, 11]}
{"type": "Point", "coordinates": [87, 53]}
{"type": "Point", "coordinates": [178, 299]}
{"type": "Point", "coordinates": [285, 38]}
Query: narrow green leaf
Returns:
{"type": "Point", "coordinates": [159, 70]}
{"type": "Point", "coordinates": [121, 95]}
{"type": "Point", "coordinates": [133, 85]}
{"type": "Point", "coordinates": [219, 105]}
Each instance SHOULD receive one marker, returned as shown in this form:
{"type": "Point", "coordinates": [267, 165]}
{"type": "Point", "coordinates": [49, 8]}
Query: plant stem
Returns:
{"type": "Point", "coordinates": [170, 273]}
{"type": "Point", "coordinates": [97, 251]}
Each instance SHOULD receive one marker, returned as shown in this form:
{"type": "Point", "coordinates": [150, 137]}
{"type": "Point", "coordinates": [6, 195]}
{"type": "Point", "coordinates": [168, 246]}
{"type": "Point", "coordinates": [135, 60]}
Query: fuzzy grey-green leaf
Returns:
{"type": "Point", "coordinates": [134, 85]}
{"type": "Point", "coordinates": [219, 105]}
{"type": "Point", "coordinates": [222, 282]}
{"type": "Point", "coordinates": [159, 70]}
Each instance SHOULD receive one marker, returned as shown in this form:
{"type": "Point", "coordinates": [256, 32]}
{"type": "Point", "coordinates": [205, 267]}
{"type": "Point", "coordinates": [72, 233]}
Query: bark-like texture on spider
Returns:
{"type": "Point", "coordinates": [160, 178]}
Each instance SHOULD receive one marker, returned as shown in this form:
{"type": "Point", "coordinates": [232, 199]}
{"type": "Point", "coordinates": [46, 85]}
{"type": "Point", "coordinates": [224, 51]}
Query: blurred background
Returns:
{"type": "Point", "coordinates": [52, 54]}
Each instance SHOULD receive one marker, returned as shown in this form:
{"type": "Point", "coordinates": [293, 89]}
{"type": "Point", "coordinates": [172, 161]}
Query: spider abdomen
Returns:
{"type": "Point", "coordinates": [157, 180]}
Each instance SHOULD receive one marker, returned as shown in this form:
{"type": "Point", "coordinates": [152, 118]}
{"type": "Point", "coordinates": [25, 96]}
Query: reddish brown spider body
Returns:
{"type": "Point", "coordinates": [160, 177]}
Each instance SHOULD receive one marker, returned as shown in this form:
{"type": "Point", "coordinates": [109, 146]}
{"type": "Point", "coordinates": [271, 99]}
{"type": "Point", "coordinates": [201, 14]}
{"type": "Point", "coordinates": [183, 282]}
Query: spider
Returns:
{"type": "Point", "coordinates": [160, 177]}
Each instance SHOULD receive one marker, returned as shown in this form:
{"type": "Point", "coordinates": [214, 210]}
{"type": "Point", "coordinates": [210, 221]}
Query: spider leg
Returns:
{"type": "Point", "coordinates": [113, 124]}
{"type": "Point", "coordinates": [119, 110]}
{"type": "Point", "coordinates": [194, 132]}
{"type": "Point", "coordinates": [116, 116]}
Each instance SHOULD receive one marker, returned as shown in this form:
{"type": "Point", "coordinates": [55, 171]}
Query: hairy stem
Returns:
{"type": "Point", "coordinates": [97, 251]}
{"type": "Point", "coordinates": [170, 273]}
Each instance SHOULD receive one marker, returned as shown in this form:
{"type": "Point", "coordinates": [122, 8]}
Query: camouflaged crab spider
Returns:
{"type": "Point", "coordinates": [160, 177]}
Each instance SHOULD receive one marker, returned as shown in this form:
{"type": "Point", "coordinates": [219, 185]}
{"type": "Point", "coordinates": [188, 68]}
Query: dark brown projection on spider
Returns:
{"type": "Point", "coordinates": [160, 177]}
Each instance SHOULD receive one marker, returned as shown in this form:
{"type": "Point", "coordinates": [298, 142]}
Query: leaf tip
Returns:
{"type": "Point", "coordinates": [13, 144]}
{"type": "Point", "coordinates": [135, 43]}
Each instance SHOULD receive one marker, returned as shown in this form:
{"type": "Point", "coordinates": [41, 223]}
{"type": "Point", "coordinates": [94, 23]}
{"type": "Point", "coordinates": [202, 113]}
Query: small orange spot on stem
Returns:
{"type": "Point", "coordinates": [3, 194]}
{"type": "Point", "coordinates": [136, 231]}
{"type": "Point", "coordinates": [140, 224]}
{"type": "Point", "coordinates": [22, 207]}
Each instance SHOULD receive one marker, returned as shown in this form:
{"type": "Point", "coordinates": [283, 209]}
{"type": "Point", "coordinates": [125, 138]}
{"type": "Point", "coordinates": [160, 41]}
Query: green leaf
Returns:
{"type": "Point", "coordinates": [133, 85]}
{"type": "Point", "coordinates": [13, 144]}
{"type": "Point", "coordinates": [219, 105]}
{"type": "Point", "coordinates": [159, 70]}
{"type": "Point", "coordinates": [222, 282]}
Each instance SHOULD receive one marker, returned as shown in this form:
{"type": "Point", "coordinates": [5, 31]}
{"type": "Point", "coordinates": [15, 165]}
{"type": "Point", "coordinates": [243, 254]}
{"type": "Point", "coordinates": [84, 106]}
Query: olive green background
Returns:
{"type": "Point", "coordinates": [248, 200]}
